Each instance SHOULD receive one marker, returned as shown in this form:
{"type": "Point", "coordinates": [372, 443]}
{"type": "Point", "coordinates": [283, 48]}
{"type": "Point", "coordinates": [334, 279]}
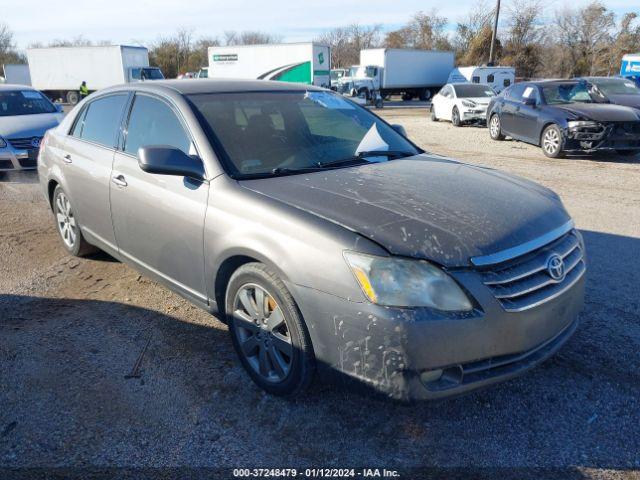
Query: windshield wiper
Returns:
{"type": "Point", "coordinates": [360, 156]}
{"type": "Point", "coordinates": [285, 170]}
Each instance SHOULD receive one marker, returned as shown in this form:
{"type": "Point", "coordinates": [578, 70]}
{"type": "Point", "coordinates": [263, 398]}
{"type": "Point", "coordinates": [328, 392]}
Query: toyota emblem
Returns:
{"type": "Point", "coordinates": [555, 267]}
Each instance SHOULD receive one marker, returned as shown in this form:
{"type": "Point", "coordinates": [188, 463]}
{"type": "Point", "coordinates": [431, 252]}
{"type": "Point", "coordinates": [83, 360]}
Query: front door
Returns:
{"type": "Point", "coordinates": [159, 219]}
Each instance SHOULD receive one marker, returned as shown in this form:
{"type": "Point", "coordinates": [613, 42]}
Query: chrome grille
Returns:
{"type": "Point", "coordinates": [526, 282]}
{"type": "Point", "coordinates": [23, 143]}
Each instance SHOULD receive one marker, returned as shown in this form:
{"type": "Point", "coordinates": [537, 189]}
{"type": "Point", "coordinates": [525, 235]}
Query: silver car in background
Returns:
{"type": "Point", "coordinates": [25, 116]}
{"type": "Point", "coordinates": [326, 239]}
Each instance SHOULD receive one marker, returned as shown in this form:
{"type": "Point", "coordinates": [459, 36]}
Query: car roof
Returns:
{"type": "Point", "coordinates": [215, 85]}
{"type": "Point", "coordinates": [14, 86]}
{"type": "Point", "coordinates": [554, 81]}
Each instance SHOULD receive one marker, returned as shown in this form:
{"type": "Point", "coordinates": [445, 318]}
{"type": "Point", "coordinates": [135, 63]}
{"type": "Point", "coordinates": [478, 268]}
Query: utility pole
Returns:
{"type": "Point", "coordinates": [494, 35]}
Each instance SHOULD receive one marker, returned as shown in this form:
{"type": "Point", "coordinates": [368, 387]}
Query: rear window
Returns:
{"type": "Point", "coordinates": [101, 120]}
{"type": "Point", "coordinates": [473, 90]}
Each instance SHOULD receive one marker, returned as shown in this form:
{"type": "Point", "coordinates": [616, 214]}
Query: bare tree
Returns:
{"type": "Point", "coordinates": [477, 20]}
{"type": "Point", "coordinates": [346, 43]}
{"type": "Point", "coordinates": [523, 46]}
{"type": "Point", "coordinates": [8, 50]}
{"type": "Point", "coordinates": [424, 31]}
{"type": "Point", "coordinates": [250, 37]}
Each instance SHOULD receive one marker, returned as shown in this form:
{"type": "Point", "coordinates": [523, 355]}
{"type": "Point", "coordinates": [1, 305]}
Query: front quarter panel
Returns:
{"type": "Point", "coordinates": [303, 248]}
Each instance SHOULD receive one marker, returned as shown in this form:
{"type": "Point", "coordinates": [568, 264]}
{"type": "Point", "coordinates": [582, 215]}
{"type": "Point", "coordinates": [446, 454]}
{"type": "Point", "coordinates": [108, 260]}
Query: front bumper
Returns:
{"type": "Point", "coordinates": [396, 350]}
{"type": "Point", "coordinates": [14, 159]}
{"type": "Point", "coordinates": [478, 115]}
{"type": "Point", "coordinates": [604, 136]}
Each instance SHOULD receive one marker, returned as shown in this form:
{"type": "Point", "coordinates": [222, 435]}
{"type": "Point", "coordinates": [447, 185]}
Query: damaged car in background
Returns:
{"type": "Point", "coordinates": [462, 103]}
{"type": "Point", "coordinates": [326, 239]}
{"type": "Point", "coordinates": [562, 116]}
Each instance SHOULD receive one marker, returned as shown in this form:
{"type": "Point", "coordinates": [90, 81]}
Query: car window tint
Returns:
{"type": "Point", "coordinates": [102, 120]}
{"type": "Point", "coordinates": [490, 78]}
{"type": "Point", "coordinates": [77, 127]}
{"type": "Point", "coordinates": [516, 91]}
{"type": "Point", "coordinates": [153, 122]}
{"type": "Point", "coordinates": [506, 82]}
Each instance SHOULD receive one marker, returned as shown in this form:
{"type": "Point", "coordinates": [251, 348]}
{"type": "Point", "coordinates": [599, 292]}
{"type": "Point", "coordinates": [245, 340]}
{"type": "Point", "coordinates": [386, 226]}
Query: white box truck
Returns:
{"type": "Point", "coordinates": [307, 63]}
{"type": "Point", "coordinates": [59, 71]}
{"type": "Point", "coordinates": [406, 72]}
{"type": "Point", "coordinates": [17, 74]}
{"type": "Point", "coordinates": [498, 77]}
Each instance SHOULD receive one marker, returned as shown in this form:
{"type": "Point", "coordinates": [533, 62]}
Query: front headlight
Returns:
{"type": "Point", "coordinates": [469, 104]}
{"type": "Point", "coordinates": [400, 282]}
{"type": "Point", "coordinates": [2, 143]}
{"type": "Point", "coordinates": [582, 124]}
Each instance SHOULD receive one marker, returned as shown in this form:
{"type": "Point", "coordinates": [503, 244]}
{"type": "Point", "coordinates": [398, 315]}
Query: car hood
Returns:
{"type": "Point", "coordinates": [627, 100]}
{"type": "Point", "coordinates": [602, 112]}
{"type": "Point", "coordinates": [478, 100]}
{"type": "Point", "coordinates": [425, 207]}
{"type": "Point", "coordinates": [23, 126]}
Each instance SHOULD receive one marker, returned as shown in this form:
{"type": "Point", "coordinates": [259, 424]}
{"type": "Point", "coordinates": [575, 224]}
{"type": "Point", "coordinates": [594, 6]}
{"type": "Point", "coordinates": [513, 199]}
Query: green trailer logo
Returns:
{"type": "Point", "coordinates": [321, 58]}
{"type": "Point", "coordinates": [226, 57]}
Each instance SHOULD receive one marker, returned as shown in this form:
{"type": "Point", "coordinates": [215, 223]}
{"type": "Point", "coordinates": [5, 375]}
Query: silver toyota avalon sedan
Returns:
{"type": "Point", "coordinates": [328, 241]}
{"type": "Point", "coordinates": [25, 115]}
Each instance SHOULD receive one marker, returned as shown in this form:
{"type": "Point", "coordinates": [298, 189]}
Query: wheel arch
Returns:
{"type": "Point", "coordinates": [51, 187]}
{"type": "Point", "coordinates": [546, 124]}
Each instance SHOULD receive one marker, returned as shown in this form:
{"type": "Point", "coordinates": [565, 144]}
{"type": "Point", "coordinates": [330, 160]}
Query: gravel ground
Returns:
{"type": "Point", "coordinates": [71, 330]}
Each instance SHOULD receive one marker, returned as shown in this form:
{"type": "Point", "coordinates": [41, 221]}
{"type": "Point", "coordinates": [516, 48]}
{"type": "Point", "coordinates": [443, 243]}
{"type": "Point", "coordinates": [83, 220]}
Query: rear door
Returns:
{"type": "Point", "coordinates": [159, 219]}
{"type": "Point", "coordinates": [512, 102]}
{"type": "Point", "coordinates": [88, 160]}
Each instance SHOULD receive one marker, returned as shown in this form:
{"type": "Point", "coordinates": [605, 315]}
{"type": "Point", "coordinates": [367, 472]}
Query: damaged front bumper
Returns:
{"type": "Point", "coordinates": [417, 353]}
{"type": "Point", "coordinates": [591, 136]}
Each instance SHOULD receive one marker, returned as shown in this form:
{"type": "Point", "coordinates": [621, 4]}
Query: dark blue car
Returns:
{"type": "Point", "coordinates": [563, 116]}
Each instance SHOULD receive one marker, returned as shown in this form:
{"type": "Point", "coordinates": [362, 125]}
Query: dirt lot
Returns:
{"type": "Point", "coordinates": [71, 330]}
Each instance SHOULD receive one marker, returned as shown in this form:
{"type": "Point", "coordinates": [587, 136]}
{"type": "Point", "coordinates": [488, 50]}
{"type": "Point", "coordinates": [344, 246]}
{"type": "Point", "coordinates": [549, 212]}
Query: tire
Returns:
{"type": "Point", "coordinates": [277, 354]}
{"type": "Point", "coordinates": [552, 141]}
{"type": "Point", "coordinates": [425, 95]}
{"type": "Point", "coordinates": [379, 102]}
{"type": "Point", "coordinates": [627, 153]}
{"type": "Point", "coordinates": [455, 117]}
{"type": "Point", "coordinates": [2, 175]}
{"type": "Point", "coordinates": [406, 97]}
{"type": "Point", "coordinates": [433, 114]}
{"type": "Point", "coordinates": [73, 97]}
{"type": "Point", "coordinates": [495, 129]}
{"type": "Point", "coordinates": [67, 226]}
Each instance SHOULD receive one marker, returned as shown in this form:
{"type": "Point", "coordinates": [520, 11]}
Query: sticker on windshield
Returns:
{"type": "Point", "coordinates": [329, 100]}
{"type": "Point", "coordinates": [30, 94]}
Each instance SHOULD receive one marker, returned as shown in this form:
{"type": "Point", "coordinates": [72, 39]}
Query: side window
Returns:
{"type": "Point", "coordinates": [490, 78]}
{"type": "Point", "coordinates": [475, 79]}
{"type": "Point", "coordinates": [101, 121]}
{"type": "Point", "coordinates": [153, 122]}
{"type": "Point", "coordinates": [506, 82]}
{"type": "Point", "coordinates": [135, 73]}
{"type": "Point", "coordinates": [76, 131]}
{"type": "Point", "coordinates": [516, 92]}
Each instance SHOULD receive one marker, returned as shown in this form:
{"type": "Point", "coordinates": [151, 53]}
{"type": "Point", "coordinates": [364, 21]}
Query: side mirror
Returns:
{"type": "Point", "coordinates": [531, 101]}
{"type": "Point", "coordinates": [167, 160]}
{"type": "Point", "coordinates": [400, 129]}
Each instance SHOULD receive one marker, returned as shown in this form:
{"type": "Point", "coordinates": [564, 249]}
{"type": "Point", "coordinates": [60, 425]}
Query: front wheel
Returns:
{"type": "Point", "coordinates": [455, 117]}
{"type": "Point", "coordinates": [67, 225]}
{"type": "Point", "coordinates": [495, 129]}
{"type": "Point", "coordinates": [268, 332]}
{"type": "Point", "coordinates": [552, 141]}
{"type": "Point", "coordinates": [433, 114]}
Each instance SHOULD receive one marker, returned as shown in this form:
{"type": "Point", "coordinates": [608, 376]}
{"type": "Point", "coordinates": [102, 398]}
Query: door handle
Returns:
{"type": "Point", "coordinates": [119, 180]}
{"type": "Point", "coordinates": [67, 158]}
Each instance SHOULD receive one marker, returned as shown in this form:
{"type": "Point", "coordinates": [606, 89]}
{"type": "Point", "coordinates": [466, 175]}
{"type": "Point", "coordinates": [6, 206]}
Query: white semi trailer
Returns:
{"type": "Point", "coordinates": [59, 71]}
{"type": "Point", "coordinates": [17, 74]}
{"type": "Point", "coordinates": [307, 63]}
{"type": "Point", "coordinates": [406, 72]}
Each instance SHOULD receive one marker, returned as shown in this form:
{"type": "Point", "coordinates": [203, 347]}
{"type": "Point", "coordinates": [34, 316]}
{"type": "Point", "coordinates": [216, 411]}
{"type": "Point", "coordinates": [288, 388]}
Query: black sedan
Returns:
{"type": "Point", "coordinates": [562, 116]}
{"type": "Point", "coordinates": [618, 90]}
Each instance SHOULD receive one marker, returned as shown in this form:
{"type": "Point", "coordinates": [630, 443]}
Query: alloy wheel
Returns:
{"type": "Point", "coordinates": [66, 221]}
{"type": "Point", "coordinates": [262, 332]}
{"type": "Point", "coordinates": [551, 141]}
{"type": "Point", "coordinates": [494, 126]}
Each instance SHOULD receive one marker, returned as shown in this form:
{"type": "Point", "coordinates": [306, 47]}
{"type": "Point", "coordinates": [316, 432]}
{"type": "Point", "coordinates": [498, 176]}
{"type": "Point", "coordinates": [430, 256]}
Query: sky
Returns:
{"type": "Point", "coordinates": [143, 21]}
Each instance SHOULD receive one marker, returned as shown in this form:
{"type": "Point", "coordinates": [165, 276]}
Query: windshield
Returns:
{"type": "Point", "coordinates": [473, 91]}
{"type": "Point", "coordinates": [616, 86]}
{"type": "Point", "coordinates": [24, 102]}
{"type": "Point", "coordinates": [268, 133]}
{"type": "Point", "coordinates": [557, 93]}
{"type": "Point", "coordinates": [152, 74]}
